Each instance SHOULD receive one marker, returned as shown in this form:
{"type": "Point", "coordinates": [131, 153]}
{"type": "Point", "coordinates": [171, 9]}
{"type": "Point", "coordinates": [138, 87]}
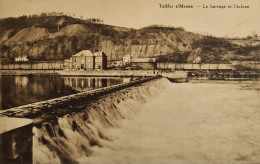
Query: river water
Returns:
{"type": "Point", "coordinates": [161, 122]}
{"type": "Point", "coordinates": [21, 90]}
{"type": "Point", "coordinates": [190, 123]}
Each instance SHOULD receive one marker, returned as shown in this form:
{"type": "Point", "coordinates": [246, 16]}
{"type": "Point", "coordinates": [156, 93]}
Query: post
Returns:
{"type": "Point", "coordinates": [16, 140]}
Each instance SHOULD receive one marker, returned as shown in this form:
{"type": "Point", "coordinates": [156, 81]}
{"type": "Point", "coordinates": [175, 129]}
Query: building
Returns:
{"type": "Point", "coordinates": [100, 60]}
{"type": "Point", "coordinates": [197, 60]}
{"type": "Point", "coordinates": [21, 58]}
{"type": "Point", "coordinates": [86, 60]}
{"type": "Point", "coordinates": [83, 60]}
{"type": "Point", "coordinates": [68, 63]}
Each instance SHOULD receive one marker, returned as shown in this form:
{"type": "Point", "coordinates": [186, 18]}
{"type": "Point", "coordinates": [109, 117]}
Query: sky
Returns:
{"type": "Point", "coordinates": [232, 22]}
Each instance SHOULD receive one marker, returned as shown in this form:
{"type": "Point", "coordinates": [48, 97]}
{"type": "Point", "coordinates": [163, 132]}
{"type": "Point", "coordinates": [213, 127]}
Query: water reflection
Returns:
{"type": "Point", "coordinates": [21, 80]}
{"type": "Point", "coordinates": [21, 90]}
{"type": "Point", "coordinates": [86, 83]}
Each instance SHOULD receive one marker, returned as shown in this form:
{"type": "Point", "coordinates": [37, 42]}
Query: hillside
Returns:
{"type": "Point", "coordinates": [29, 34]}
{"type": "Point", "coordinates": [45, 37]}
{"type": "Point", "coordinates": [59, 37]}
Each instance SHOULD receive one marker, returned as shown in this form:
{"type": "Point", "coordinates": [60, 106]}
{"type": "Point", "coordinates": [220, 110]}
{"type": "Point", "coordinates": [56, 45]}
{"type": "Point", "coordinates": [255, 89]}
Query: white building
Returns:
{"type": "Point", "coordinates": [21, 58]}
{"type": "Point", "coordinates": [197, 60]}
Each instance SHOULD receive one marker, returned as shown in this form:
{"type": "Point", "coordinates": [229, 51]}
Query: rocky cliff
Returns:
{"type": "Point", "coordinates": [59, 37]}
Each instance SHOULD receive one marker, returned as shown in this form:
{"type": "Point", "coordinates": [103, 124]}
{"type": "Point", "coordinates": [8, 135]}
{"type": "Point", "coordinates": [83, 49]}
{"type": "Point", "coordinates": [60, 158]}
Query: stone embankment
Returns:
{"type": "Point", "coordinates": [27, 72]}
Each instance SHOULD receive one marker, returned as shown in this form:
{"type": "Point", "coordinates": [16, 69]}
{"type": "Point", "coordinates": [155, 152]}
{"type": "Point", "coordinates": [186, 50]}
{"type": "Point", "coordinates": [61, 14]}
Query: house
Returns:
{"type": "Point", "coordinates": [83, 60]}
{"type": "Point", "coordinates": [21, 58]}
{"type": "Point", "coordinates": [68, 63]}
{"type": "Point", "coordinates": [86, 60]}
{"type": "Point", "coordinates": [197, 60]}
{"type": "Point", "coordinates": [100, 60]}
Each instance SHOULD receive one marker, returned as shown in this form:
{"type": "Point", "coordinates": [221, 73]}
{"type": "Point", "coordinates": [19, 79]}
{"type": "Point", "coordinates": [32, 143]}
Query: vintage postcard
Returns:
{"type": "Point", "coordinates": [129, 81]}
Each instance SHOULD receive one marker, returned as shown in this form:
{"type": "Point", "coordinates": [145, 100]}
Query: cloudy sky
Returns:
{"type": "Point", "coordinates": [140, 13]}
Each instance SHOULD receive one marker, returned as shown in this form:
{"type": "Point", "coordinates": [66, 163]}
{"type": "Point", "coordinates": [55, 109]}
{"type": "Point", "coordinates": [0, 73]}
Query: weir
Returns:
{"type": "Point", "coordinates": [34, 109]}
{"type": "Point", "coordinates": [68, 128]}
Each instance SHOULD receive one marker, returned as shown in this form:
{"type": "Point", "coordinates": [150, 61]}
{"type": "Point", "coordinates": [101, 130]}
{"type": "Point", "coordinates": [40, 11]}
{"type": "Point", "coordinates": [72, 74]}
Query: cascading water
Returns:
{"type": "Point", "coordinates": [74, 135]}
{"type": "Point", "coordinates": [158, 122]}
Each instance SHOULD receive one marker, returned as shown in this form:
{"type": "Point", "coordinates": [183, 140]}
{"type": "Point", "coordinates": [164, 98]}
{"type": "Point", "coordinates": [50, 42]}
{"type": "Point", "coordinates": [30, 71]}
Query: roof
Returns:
{"type": "Point", "coordinates": [84, 53]}
{"type": "Point", "coordinates": [143, 60]}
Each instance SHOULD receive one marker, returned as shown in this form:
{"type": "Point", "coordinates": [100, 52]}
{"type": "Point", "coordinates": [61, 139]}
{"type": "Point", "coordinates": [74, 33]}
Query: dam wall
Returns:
{"type": "Point", "coordinates": [42, 109]}
{"type": "Point", "coordinates": [68, 129]}
{"type": "Point", "coordinates": [74, 137]}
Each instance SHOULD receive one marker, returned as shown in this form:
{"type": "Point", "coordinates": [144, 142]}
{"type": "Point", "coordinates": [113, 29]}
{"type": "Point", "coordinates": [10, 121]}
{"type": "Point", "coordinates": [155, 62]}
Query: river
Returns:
{"type": "Point", "coordinates": [21, 90]}
{"type": "Point", "coordinates": [160, 122]}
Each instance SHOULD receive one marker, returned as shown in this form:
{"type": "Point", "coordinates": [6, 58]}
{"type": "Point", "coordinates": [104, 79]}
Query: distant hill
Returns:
{"type": "Point", "coordinates": [59, 37]}
{"type": "Point", "coordinates": [43, 37]}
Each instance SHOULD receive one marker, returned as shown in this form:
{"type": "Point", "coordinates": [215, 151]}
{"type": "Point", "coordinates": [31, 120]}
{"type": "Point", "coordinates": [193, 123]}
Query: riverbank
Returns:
{"type": "Point", "coordinates": [28, 72]}
{"type": "Point", "coordinates": [172, 75]}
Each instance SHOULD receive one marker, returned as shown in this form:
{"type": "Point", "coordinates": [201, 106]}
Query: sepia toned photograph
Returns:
{"type": "Point", "coordinates": [129, 82]}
